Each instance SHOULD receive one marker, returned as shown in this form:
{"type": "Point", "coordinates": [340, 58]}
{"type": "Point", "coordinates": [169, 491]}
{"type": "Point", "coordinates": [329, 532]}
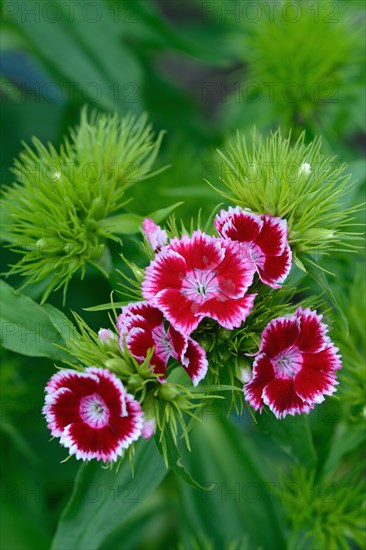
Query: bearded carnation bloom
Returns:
{"type": "Point", "coordinates": [263, 239]}
{"type": "Point", "coordinates": [295, 366]}
{"type": "Point", "coordinates": [200, 276]}
{"type": "Point", "coordinates": [156, 236]}
{"type": "Point", "coordinates": [92, 413]}
{"type": "Point", "coordinates": [141, 328]}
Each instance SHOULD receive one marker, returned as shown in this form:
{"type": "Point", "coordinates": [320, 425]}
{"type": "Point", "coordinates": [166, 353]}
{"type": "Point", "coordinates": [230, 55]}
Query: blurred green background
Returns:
{"type": "Point", "coordinates": [201, 70]}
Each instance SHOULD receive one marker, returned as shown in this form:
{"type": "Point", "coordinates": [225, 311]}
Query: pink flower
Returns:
{"type": "Point", "coordinates": [92, 413]}
{"type": "Point", "coordinates": [156, 236]}
{"type": "Point", "coordinates": [141, 328]}
{"type": "Point", "coordinates": [106, 335]}
{"type": "Point", "coordinates": [148, 429]}
{"type": "Point", "coordinates": [199, 277]}
{"type": "Point", "coordinates": [264, 240]}
{"type": "Point", "coordinates": [295, 366]}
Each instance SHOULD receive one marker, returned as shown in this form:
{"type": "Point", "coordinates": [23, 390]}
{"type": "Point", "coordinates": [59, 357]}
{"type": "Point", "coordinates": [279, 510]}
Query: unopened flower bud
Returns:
{"type": "Point", "coordinates": [245, 375]}
{"type": "Point", "coordinates": [319, 234]}
{"type": "Point", "coordinates": [148, 429]}
{"type": "Point", "coordinates": [119, 365]}
{"type": "Point", "coordinates": [105, 334]}
{"type": "Point", "coordinates": [135, 382]}
{"type": "Point", "coordinates": [168, 392]}
{"type": "Point", "coordinates": [156, 236]}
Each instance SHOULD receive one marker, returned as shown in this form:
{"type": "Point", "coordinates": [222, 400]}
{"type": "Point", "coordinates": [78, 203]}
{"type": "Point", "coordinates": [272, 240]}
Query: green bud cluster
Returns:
{"type": "Point", "coordinates": [59, 207]}
{"type": "Point", "coordinates": [295, 182]}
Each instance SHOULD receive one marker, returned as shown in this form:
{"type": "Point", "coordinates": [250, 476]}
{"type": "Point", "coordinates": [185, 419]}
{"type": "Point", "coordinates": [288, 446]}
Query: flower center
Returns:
{"type": "Point", "coordinates": [255, 254]}
{"type": "Point", "coordinates": [288, 363]}
{"type": "Point", "coordinates": [94, 411]}
{"type": "Point", "coordinates": [163, 347]}
{"type": "Point", "coordinates": [199, 285]}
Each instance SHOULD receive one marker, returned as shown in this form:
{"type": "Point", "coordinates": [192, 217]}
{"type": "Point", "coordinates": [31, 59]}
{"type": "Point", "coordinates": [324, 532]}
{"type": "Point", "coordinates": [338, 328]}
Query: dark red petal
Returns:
{"type": "Point", "coordinates": [327, 359]}
{"type": "Point", "coordinates": [200, 251]}
{"type": "Point", "coordinates": [313, 336]}
{"type": "Point", "coordinates": [263, 373]}
{"type": "Point", "coordinates": [241, 226]}
{"type": "Point", "coordinates": [183, 314]}
{"type": "Point", "coordinates": [78, 382]}
{"type": "Point", "coordinates": [166, 271]}
{"type": "Point", "coordinates": [235, 273]}
{"type": "Point", "coordinates": [276, 268]}
{"type": "Point", "coordinates": [273, 237]}
{"type": "Point", "coordinates": [139, 341]}
{"type": "Point", "coordinates": [195, 361]}
{"type": "Point", "coordinates": [158, 365]}
{"type": "Point", "coordinates": [279, 334]}
{"type": "Point", "coordinates": [179, 343]}
{"type": "Point", "coordinates": [110, 389]}
{"type": "Point", "coordinates": [229, 313]}
{"type": "Point", "coordinates": [312, 384]}
{"type": "Point", "coordinates": [61, 409]}
{"type": "Point", "coordinates": [281, 397]}
{"type": "Point", "coordinates": [224, 217]}
{"type": "Point", "coordinates": [152, 315]}
{"type": "Point", "coordinates": [105, 443]}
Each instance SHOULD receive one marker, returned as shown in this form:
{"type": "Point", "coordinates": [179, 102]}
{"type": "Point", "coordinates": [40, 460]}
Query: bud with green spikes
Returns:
{"type": "Point", "coordinates": [295, 182]}
{"type": "Point", "coordinates": [61, 201]}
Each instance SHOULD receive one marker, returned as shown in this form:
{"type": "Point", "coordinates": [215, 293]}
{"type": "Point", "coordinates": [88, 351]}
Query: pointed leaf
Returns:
{"type": "Point", "coordinates": [27, 327]}
{"type": "Point", "coordinates": [103, 499]}
{"type": "Point", "coordinates": [174, 459]}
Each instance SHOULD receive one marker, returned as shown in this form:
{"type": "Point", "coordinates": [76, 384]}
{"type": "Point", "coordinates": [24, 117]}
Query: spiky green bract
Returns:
{"type": "Point", "coordinates": [304, 60]}
{"type": "Point", "coordinates": [60, 200]}
{"type": "Point", "coordinates": [325, 514]}
{"type": "Point", "coordinates": [268, 176]}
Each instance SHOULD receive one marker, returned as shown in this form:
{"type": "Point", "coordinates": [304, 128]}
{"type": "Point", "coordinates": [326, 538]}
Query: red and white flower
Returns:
{"type": "Point", "coordinates": [92, 413]}
{"type": "Point", "coordinates": [141, 328]}
{"type": "Point", "coordinates": [156, 236]}
{"type": "Point", "coordinates": [200, 276]}
{"type": "Point", "coordinates": [295, 366]}
{"type": "Point", "coordinates": [264, 242]}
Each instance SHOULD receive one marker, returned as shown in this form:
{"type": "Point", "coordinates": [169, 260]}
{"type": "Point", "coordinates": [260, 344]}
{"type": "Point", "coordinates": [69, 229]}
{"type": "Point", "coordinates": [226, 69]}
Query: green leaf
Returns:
{"type": "Point", "coordinates": [31, 329]}
{"type": "Point", "coordinates": [123, 224]}
{"type": "Point", "coordinates": [106, 307]}
{"type": "Point", "coordinates": [239, 497]}
{"type": "Point", "coordinates": [128, 224]}
{"type": "Point", "coordinates": [292, 435]}
{"type": "Point", "coordinates": [62, 324]}
{"type": "Point", "coordinates": [83, 50]}
{"type": "Point", "coordinates": [160, 215]}
{"type": "Point", "coordinates": [174, 459]}
{"type": "Point", "coordinates": [346, 438]}
{"type": "Point", "coordinates": [103, 499]}
{"type": "Point", "coordinates": [320, 278]}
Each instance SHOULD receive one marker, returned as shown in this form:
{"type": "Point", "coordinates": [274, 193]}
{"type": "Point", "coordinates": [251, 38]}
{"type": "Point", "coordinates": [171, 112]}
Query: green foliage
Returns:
{"type": "Point", "coordinates": [86, 522]}
{"type": "Point", "coordinates": [270, 176]}
{"type": "Point", "coordinates": [182, 64]}
{"type": "Point", "coordinates": [31, 329]}
{"type": "Point", "coordinates": [304, 60]}
{"type": "Point", "coordinates": [59, 206]}
{"type": "Point", "coordinates": [327, 514]}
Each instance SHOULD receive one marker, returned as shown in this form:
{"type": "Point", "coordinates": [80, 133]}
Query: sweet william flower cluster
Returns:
{"type": "Point", "coordinates": [193, 279]}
